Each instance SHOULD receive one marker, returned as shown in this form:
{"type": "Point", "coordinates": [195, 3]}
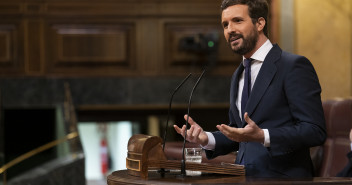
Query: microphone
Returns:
{"type": "Point", "coordinates": [168, 114]}
{"type": "Point", "coordinates": [162, 170]}
{"type": "Point", "coordinates": [183, 165]}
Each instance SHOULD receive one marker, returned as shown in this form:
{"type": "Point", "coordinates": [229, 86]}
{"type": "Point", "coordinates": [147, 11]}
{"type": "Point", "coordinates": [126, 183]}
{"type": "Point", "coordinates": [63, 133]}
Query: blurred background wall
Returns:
{"type": "Point", "coordinates": [324, 35]}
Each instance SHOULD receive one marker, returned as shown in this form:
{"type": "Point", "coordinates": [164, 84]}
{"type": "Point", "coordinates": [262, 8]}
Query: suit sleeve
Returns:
{"type": "Point", "coordinates": [302, 89]}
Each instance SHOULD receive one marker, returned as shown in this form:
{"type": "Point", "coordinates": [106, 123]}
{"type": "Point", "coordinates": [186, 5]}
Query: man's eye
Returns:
{"type": "Point", "coordinates": [225, 25]}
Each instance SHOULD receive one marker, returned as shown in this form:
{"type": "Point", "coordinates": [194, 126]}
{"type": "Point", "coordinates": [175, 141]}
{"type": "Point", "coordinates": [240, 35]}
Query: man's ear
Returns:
{"type": "Point", "coordinates": [261, 24]}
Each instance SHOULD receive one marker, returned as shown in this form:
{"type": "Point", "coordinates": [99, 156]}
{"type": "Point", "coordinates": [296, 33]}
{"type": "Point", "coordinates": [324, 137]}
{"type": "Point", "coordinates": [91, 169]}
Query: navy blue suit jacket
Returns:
{"type": "Point", "coordinates": [285, 99]}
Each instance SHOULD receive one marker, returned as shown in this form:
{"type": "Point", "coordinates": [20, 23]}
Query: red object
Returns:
{"type": "Point", "coordinates": [104, 156]}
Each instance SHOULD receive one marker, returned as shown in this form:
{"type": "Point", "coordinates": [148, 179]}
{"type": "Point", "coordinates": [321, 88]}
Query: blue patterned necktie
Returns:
{"type": "Point", "coordinates": [247, 84]}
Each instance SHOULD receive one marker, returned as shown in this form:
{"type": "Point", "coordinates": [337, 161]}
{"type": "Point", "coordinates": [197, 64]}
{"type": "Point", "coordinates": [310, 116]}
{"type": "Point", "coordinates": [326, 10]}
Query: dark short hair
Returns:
{"type": "Point", "coordinates": [256, 9]}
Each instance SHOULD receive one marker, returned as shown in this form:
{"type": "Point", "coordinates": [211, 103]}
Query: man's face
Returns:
{"type": "Point", "coordinates": [239, 30]}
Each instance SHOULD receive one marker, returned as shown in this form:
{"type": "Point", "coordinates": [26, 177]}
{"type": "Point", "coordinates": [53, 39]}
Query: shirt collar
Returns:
{"type": "Point", "coordinates": [261, 53]}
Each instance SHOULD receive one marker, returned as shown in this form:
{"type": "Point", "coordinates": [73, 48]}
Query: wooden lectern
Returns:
{"type": "Point", "coordinates": [145, 152]}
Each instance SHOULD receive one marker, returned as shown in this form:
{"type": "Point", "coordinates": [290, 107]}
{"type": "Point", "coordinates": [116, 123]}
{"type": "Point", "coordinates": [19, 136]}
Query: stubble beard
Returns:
{"type": "Point", "coordinates": [248, 43]}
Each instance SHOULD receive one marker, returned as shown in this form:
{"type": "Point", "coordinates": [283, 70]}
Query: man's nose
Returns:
{"type": "Point", "coordinates": [231, 29]}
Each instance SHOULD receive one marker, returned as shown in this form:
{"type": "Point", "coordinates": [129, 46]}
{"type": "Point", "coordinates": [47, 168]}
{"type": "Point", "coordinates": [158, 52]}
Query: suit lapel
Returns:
{"type": "Point", "coordinates": [264, 78]}
{"type": "Point", "coordinates": [234, 92]}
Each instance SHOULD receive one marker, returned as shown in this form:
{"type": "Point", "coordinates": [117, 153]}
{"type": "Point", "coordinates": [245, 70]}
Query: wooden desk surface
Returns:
{"type": "Point", "coordinates": [173, 178]}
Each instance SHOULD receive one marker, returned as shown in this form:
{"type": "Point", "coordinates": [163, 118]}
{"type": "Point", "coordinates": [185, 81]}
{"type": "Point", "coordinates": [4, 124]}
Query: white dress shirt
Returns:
{"type": "Point", "coordinates": [258, 59]}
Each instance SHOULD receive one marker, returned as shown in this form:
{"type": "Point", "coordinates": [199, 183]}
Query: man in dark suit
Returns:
{"type": "Point", "coordinates": [279, 116]}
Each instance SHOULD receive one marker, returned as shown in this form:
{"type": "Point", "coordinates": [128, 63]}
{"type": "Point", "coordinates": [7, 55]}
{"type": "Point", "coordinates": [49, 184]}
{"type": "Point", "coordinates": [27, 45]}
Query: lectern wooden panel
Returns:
{"type": "Point", "coordinates": [155, 178]}
{"type": "Point", "coordinates": [145, 152]}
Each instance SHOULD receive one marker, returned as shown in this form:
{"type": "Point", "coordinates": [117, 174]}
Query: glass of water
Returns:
{"type": "Point", "coordinates": [193, 155]}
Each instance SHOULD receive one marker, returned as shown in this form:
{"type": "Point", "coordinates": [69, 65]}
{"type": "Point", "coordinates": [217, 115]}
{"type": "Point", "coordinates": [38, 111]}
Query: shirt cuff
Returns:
{"type": "Point", "coordinates": [211, 142]}
{"type": "Point", "coordinates": [266, 138]}
{"type": "Point", "coordinates": [351, 146]}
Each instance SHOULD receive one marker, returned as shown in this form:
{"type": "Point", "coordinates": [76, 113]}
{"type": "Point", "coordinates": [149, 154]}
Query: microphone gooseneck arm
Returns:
{"type": "Point", "coordinates": [168, 114]}
{"type": "Point", "coordinates": [183, 165]}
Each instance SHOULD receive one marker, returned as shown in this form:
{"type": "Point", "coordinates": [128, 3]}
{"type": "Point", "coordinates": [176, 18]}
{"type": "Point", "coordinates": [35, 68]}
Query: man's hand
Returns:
{"type": "Point", "coordinates": [195, 134]}
{"type": "Point", "coordinates": [250, 133]}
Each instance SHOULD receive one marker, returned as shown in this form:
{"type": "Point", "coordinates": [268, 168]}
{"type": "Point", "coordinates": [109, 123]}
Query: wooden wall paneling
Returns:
{"type": "Point", "coordinates": [11, 8]}
{"type": "Point", "coordinates": [91, 48]}
{"type": "Point", "coordinates": [148, 51]}
{"type": "Point", "coordinates": [11, 48]}
{"type": "Point", "coordinates": [100, 38]}
{"type": "Point", "coordinates": [190, 8]}
{"type": "Point", "coordinates": [33, 8]}
{"type": "Point", "coordinates": [119, 8]}
{"type": "Point", "coordinates": [6, 41]}
{"type": "Point", "coordinates": [34, 47]}
{"type": "Point", "coordinates": [274, 21]}
{"type": "Point", "coordinates": [135, 7]}
{"type": "Point", "coordinates": [177, 60]}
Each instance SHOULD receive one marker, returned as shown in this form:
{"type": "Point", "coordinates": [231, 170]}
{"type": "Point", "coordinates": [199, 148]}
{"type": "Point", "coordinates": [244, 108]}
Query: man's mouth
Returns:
{"type": "Point", "coordinates": [234, 39]}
